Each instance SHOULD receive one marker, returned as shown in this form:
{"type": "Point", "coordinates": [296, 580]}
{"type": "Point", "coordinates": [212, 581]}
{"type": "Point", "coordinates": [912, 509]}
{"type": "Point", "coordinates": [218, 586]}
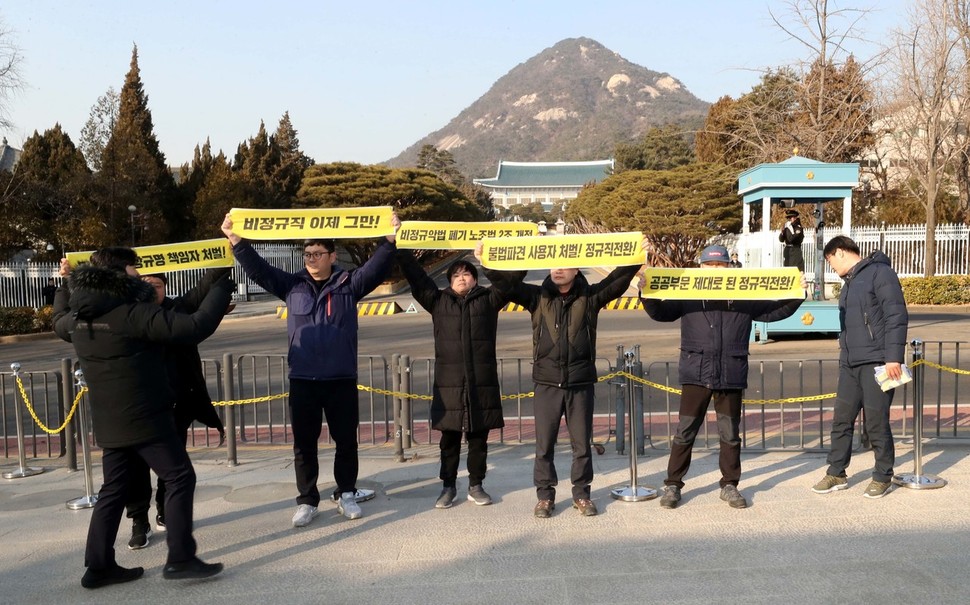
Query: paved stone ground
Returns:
{"type": "Point", "coordinates": [789, 546]}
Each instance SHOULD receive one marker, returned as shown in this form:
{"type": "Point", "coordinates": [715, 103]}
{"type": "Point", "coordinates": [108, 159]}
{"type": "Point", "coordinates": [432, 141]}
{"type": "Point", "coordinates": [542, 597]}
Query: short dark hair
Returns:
{"type": "Point", "coordinates": [116, 257]}
{"type": "Point", "coordinates": [840, 242]}
{"type": "Point", "coordinates": [459, 265]}
{"type": "Point", "coordinates": [329, 244]}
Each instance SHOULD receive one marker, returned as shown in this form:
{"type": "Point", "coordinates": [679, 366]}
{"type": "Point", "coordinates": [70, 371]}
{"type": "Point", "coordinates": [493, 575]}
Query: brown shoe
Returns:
{"type": "Point", "coordinates": [544, 508]}
{"type": "Point", "coordinates": [585, 506]}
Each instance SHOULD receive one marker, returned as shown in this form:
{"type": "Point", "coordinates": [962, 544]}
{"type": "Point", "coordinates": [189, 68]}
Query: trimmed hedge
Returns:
{"type": "Point", "coordinates": [25, 320]}
{"type": "Point", "coordinates": [939, 290]}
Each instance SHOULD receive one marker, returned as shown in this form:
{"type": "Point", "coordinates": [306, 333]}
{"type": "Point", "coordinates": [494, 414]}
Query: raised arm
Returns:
{"type": "Point", "coordinates": [423, 288]}
{"type": "Point", "coordinates": [275, 281]}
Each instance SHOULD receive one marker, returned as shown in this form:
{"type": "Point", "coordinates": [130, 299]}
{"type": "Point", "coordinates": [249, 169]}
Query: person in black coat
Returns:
{"type": "Point", "coordinates": [466, 396]}
{"type": "Point", "coordinates": [192, 402]}
{"type": "Point", "coordinates": [874, 319]}
{"type": "Point", "coordinates": [119, 334]}
{"type": "Point", "coordinates": [792, 235]}
{"type": "Point", "coordinates": [714, 337]}
{"type": "Point", "coordinates": [565, 310]}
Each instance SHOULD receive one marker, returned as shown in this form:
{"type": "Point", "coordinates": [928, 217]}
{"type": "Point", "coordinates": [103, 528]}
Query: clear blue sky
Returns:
{"type": "Point", "coordinates": [362, 80]}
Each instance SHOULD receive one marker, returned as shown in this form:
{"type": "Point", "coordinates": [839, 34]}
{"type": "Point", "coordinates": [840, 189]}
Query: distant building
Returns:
{"type": "Point", "coordinates": [8, 156]}
{"type": "Point", "coordinates": [549, 183]}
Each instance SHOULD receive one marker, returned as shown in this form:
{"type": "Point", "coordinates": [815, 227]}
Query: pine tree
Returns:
{"type": "Point", "coordinates": [134, 172]}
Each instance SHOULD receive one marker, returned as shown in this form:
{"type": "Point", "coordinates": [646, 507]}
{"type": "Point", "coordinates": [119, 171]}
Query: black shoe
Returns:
{"type": "Point", "coordinates": [192, 569]}
{"type": "Point", "coordinates": [95, 578]}
{"type": "Point", "coordinates": [140, 533]}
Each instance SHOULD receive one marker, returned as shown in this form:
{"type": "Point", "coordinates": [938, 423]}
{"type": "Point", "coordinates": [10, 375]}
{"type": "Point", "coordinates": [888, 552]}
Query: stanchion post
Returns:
{"type": "Point", "coordinates": [620, 405]}
{"type": "Point", "coordinates": [228, 391]}
{"type": "Point", "coordinates": [23, 470]}
{"type": "Point", "coordinates": [406, 401]}
{"type": "Point", "coordinates": [633, 492]}
{"type": "Point", "coordinates": [916, 479]}
{"type": "Point", "coordinates": [70, 431]}
{"type": "Point", "coordinates": [396, 405]}
{"type": "Point", "coordinates": [89, 498]}
{"type": "Point", "coordinates": [637, 370]}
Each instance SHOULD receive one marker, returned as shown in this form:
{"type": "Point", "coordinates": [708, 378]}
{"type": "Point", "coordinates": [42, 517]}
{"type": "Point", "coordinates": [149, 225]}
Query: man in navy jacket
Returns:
{"type": "Point", "coordinates": [714, 337]}
{"type": "Point", "coordinates": [873, 318]}
{"type": "Point", "coordinates": [321, 302]}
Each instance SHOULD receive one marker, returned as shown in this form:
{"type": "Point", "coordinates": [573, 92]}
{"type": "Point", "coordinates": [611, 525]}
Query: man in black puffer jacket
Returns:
{"type": "Point", "coordinates": [119, 334]}
{"type": "Point", "coordinates": [873, 318]}
{"type": "Point", "coordinates": [714, 337]}
{"type": "Point", "coordinates": [565, 310]}
{"type": "Point", "coordinates": [466, 395]}
{"type": "Point", "coordinates": [192, 402]}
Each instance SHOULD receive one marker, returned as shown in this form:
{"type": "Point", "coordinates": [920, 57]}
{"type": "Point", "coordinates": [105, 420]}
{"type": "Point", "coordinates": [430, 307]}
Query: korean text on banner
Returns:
{"type": "Point", "coordinates": [723, 284]}
{"type": "Point", "coordinates": [312, 223]}
{"type": "Point", "coordinates": [564, 251]}
{"type": "Point", "coordinates": [443, 235]}
{"type": "Point", "coordinates": [203, 254]}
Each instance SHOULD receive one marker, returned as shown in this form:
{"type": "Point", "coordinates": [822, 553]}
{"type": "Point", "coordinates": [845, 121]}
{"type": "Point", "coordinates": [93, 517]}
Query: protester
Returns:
{"type": "Point", "coordinates": [564, 309]}
{"type": "Point", "coordinates": [466, 397]}
{"type": "Point", "coordinates": [321, 302]}
{"type": "Point", "coordinates": [120, 334]}
{"type": "Point", "coordinates": [873, 321]}
{"type": "Point", "coordinates": [792, 235]}
{"type": "Point", "coordinates": [192, 402]}
{"type": "Point", "coordinates": [714, 336]}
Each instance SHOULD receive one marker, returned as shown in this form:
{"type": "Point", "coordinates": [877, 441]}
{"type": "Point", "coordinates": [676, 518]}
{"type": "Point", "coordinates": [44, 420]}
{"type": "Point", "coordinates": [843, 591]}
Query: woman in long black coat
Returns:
{"type": "Point", "coordinates": [466, 394]}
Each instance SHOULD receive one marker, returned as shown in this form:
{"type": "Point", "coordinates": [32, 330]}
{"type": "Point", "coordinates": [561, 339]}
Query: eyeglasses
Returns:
{"type": "Point", "coordinates": [314, 255]}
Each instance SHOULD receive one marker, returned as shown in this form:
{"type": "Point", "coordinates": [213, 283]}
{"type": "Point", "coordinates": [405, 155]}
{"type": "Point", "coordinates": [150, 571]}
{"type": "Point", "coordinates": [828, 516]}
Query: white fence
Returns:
{"type": "Point", "coordinates": [21, 283]}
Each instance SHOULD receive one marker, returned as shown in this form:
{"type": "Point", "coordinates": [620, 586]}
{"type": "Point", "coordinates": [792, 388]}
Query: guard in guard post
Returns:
{"type": "Point", "coordinates": [792, 235]}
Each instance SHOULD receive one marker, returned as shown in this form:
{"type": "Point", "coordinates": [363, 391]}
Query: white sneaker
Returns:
{"type": "Point", "coordinates": [304, 514]}
{"type": "Point", "coordinates": [348, 507]}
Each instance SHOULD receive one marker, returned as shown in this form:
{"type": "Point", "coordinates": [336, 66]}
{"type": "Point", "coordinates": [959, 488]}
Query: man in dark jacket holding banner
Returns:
{"type": "Point", "coordinates": [321, 302]}
{"type": "Point", "coordinates": [120, 335]}
{"type": "Point", "coordinates": [192, 401]}
{"type": "Point", "coordinates": [466, 396]}
{"type": "Point", "coordinates": [873, 318]}
{"type": "Point", "coordinates": [565, 310]}
{"type": "Point", "coordinates": [714, 337]}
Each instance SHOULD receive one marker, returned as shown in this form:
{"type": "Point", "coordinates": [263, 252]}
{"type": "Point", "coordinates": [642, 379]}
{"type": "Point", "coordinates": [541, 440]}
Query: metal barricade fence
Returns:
{"type": "Point", "coordinates": [515, 377]}
{"type": "Point", "coordinates": [776, 425]}
{"type": "Point", "coordinates": [44, 390]}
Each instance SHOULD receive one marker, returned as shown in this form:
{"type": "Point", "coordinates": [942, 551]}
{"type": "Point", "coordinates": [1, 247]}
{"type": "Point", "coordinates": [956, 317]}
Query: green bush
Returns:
{"type": "Point", "coordinates": [44, 319]}
{"type": "Point", "coordinates": [939, 290]}
{"type": "Point", "coordinates": [16, 320]}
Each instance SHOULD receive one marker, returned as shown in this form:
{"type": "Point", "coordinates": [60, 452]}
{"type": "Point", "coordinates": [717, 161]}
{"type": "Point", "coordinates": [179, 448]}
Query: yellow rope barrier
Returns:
{"type": "Point", "coordinates": [30, 408]}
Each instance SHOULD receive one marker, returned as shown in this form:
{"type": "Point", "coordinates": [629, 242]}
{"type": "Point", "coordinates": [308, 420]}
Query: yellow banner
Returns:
{"type": "Point", "coordinates": [723, 284]}
{"type": "Point", "coordinates": [203, 254]}
{"type": "Point", "coordinates": [312, 223]}
{"type": "Point", "coordinates": [564, 251]}
{"type": "Point", "coordinates": [443, 235]}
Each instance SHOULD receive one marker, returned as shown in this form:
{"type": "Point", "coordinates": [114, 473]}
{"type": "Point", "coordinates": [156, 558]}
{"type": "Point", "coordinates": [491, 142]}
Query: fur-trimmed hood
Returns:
{"type": "Point", "coordinates": [97, 290]}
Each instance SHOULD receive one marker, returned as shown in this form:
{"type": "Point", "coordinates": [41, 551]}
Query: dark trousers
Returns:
{"type": "Point", "coordinates": [694, 401]}
{"type": "Point", "coordinates": [450, 445]}
{"type": "Point", "coordinates": [792, 257]}
{"type": "Point", "coordinates": [168, 459]}
{"type": "Point", "coordinates": [857, 391]}
{"type": "Point", "coordinates": [551, 403]}
{"type": "Point", "coordinates": [310, 401]}
{"type": "Point", "coordinates": [140, 490]}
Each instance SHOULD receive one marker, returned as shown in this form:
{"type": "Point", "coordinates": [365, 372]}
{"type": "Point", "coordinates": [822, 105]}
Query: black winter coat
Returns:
{"type": "Point", "coordinates": [466, 392]}
{"type": "Point", "coordinates": [714, 336]}
{"type": "Point", "coordinates": [120, 334]}
{"type": "Point", "coordinates": [192, 400]}
{"type": "Point", "coordinates": [564, 326]}
{"type": "Point", "coordinates": [872, 313]}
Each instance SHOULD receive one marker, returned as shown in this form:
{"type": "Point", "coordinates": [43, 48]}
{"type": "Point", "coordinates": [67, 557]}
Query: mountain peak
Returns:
{"type": "Point", "coordinates": [573, 101]}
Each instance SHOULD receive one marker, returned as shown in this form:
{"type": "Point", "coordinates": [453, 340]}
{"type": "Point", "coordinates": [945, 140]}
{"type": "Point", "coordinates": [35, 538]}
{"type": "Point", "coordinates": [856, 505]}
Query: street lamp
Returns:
{"type": "Point", "coordinates": [131, 213]}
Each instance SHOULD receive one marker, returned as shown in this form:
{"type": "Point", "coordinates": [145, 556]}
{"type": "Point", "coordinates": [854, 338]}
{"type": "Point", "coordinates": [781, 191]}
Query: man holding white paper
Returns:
{"type": "Point", "coordinates": [873, 317]}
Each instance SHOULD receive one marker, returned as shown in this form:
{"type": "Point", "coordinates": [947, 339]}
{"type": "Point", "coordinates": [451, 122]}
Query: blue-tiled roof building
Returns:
{"type": "Point", "coordinates": [550, 183]}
